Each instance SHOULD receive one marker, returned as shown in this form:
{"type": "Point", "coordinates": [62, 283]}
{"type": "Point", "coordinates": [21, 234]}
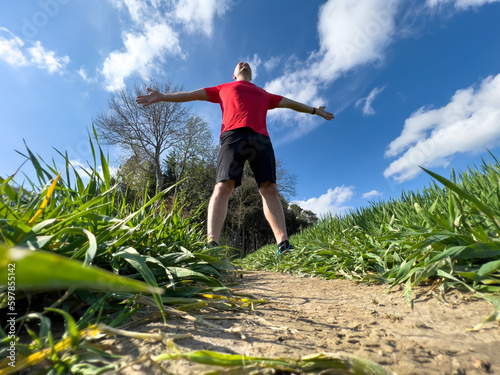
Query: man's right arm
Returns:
{"type": "Point", "coordinates": [155, 96]}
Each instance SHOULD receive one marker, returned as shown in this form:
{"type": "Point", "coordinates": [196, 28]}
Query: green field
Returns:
{"type": "Point", "coordinates": [448, 235]}
{"type": "Point", "coordinates": [74, 251]}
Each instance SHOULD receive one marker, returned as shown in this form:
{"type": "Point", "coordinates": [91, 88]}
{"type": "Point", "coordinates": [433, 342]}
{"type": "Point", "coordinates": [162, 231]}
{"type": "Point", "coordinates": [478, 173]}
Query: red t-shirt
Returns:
{"type": "Point", "coordinates": [243, 104]}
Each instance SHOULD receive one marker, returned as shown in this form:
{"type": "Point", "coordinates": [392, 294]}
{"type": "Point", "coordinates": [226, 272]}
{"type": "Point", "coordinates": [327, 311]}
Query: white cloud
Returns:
{"type": "Point", "coordinates": [367, 102]}
{"type": "Point", "coordinates": [372, 194]}
{"type": "Point", "coordinates": [272, 63]}
{"type": "Point", "coordinates": [198, 15]}
{"type": "Point", "coordinates": [136, 9]}
{"type": "Point", "coordinates": [155, 34]}
{"type": "Point", "coordinates": [14, 51]}
{"type": "Point", "coordinates": [352, 33]}
{"type": "Point", "coordinates": [11, 49]}
{"type": "Point", "coordinates": [300, 85]}
{"type": "Point", "coordinates": [255, 62]}
{"type": "Point", "coordinates": [460, 4]}
{"type": "Point", "coordinates": [81, 168]}
{"type": "Point", "coordinates": [431, 137]}
{"type": "Point", "coordinates": [85, 170]}
{"type": "Point", "coordinates": [46, 59]}
{"type": "Point", "coordinates": [332, 202]}
{"type": "Point", "coordinates": [83, 73]}
{"type": "Point", "coordinates": [142, 55]}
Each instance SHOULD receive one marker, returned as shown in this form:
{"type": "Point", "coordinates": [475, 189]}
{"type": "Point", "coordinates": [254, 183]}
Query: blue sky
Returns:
{"type": "Point", "coordinates": [410, 82]}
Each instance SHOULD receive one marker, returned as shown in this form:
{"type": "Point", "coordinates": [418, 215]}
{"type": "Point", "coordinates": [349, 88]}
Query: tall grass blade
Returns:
{"type": "Point", "coordinates": [471, 198]}
{"type": "Point", "coordinates": [41, 270]}
{"type": "Point", "coordinates": [137, 261]}
{"type": "Point", "coordinates": [329, 363]}
{"type": "Point", "coordinates": [71, 328]}
{"type": "Point", "coordinates": [45, 201]}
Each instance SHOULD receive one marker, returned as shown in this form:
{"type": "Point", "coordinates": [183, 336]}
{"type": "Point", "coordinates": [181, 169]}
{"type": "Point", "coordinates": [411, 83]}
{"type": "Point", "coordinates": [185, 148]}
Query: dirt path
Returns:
{"type": "Point", "coordinates": [309, 315]}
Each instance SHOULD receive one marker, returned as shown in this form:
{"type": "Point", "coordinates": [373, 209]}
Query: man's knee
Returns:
{"type": "Point", "coordinates": [268, 188]}
{"type": "Point", "coordinates": [224, 188]}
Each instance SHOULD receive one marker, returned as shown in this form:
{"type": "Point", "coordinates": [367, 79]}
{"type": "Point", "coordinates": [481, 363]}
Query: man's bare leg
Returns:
{"type": "Point", "coordinates": [217, 209]}
{"type": "Point", "coordinates": [273, 210]}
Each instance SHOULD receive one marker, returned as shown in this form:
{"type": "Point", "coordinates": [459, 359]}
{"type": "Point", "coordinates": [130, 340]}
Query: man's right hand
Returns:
{"type": "Point", "coordinates": [154, 96]}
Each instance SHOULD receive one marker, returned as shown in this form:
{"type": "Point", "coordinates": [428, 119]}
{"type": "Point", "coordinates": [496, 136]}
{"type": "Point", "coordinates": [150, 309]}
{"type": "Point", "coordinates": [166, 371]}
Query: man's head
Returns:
{"type": "Point", "coordinates": [242, 72]}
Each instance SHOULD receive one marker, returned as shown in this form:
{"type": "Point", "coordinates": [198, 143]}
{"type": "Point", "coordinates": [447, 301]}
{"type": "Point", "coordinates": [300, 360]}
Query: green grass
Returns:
{"type": "Point", "coordinates": [76, 251]}
{"type": "Point", "coordinates": [81, 256]}
{"type": "Point", "coordinates": [448, 234]}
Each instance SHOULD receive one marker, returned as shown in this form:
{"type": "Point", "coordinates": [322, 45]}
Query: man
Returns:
{"type": "Point", "coordinates": [243, 137]}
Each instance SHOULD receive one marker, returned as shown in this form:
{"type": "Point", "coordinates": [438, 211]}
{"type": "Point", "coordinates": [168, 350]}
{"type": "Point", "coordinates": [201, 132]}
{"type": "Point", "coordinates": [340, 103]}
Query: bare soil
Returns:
{"type": "Point", "coordinates": [307, 316]}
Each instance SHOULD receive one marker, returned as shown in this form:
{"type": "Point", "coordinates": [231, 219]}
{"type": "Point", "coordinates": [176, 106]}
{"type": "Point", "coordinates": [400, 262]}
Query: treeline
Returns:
{"type": "Point", "coordinates": [165, 145]}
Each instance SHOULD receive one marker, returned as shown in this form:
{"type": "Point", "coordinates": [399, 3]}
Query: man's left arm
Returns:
{"type": "Point", "coordinates": [304, 108]}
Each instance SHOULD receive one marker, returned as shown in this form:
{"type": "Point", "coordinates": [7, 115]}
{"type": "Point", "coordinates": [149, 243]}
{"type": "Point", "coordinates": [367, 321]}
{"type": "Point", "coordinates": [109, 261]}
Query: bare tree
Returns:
{"type": "Point", "coordinates": [286, 180]}
{"type": "Point", "coordinates": [193, 159]}
{"type": "Point", "coordinates": [151, 131]}
{"type": "Point", "coordinates": [196, 143]}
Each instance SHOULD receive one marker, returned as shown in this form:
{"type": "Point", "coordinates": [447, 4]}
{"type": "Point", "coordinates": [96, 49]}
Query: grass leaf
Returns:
{"type": "Point", "coordinates": [39, 270]}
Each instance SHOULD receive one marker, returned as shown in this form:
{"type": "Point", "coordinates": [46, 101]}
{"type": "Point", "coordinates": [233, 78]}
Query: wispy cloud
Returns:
{"type": "Point", "coordinates": [199, 15]}
{"type": "Point", "coordinates": [366, 103]}
{"type": "Point", "coordinates": [46, 59]}
{"type": "Point", "coordinates": [15, 52]}
{"type": "Point", "coordinates": [271, 63]}
{"type": "Point", "coordinates": [332, 202]}
{"type": "Point", "coordinates": [155, 34]}
{"type": "Point", "coordinates": [255, 63]}
{"type": "Point", "coordinates": [11, 49]}
{"type": "Point", "coordinates": [431, 137]}
{"type": "Point", "coordinates": [372, 194]}
{"type": "Point", "coordinates": [459, 4]}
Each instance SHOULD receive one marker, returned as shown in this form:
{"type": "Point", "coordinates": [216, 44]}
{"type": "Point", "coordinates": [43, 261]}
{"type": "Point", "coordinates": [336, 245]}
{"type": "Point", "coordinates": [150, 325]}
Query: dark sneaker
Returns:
{"type": "Point", "coordinates": [284, 248]}
{"type": "Point", "coordinates": [211, 245]}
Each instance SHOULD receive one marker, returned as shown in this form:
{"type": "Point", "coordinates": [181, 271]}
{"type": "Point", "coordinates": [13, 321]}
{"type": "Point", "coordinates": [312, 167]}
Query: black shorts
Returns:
{"type": "Point", "coordinates": [237, 146]}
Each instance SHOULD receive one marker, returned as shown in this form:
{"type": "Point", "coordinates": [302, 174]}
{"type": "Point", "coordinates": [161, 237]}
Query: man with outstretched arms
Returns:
{"type": "Point", "coordinates": [243, 137]}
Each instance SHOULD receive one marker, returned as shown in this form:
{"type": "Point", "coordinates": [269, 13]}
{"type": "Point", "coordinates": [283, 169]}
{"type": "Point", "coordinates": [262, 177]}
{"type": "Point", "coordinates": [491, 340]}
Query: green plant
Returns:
{"type": "Point", "coordinates": [75, 248]}
{"type": "Point", "coordinates": [447, 234]}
